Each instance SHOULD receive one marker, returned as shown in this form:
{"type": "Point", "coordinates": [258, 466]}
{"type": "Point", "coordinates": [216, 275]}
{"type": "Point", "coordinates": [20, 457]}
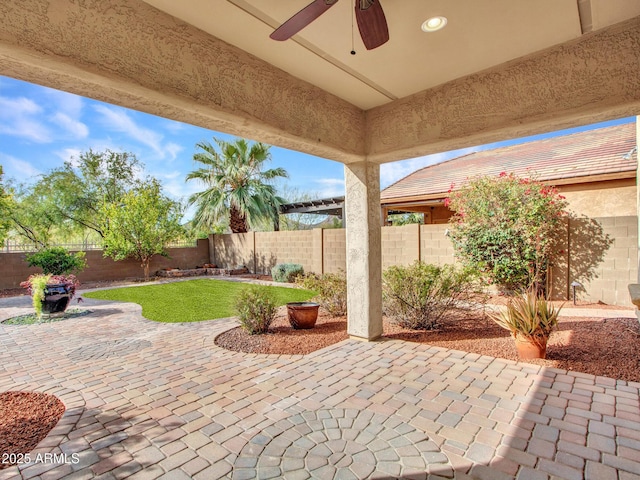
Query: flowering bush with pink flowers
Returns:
{"type": "Point", "coordinates": [505, 227]}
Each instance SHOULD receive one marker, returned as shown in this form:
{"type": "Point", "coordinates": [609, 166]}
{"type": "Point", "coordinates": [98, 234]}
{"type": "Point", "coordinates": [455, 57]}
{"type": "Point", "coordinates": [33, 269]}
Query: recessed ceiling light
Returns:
{"type": "Point", "coordinates": [434, 24]}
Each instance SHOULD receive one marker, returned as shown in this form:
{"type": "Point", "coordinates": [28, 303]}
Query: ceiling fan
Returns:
{"type": "Point", "coordinates": [369, 15]}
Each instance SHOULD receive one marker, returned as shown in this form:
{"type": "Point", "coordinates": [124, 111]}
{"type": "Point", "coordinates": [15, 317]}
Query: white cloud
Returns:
{"type": "Point", "coordinates": [69, 155]}
{"type": "Point", "coordinates": [173, 149]}
{"type": "Point", "coordinates": [23, 117]}
{"type": "Point", "coordinates": [178, 189]}
{"type": "Point", "coordinates": [21, 170]}
{"type": "Point", "coordinates": [171, 175]}
{"type": "Point", "coordinates": [174, 127]}
{"type": "Point", "coordinates": [19, 118]}
{"type": "Point", "coordinates": [78, 129]}
{"type": "Point", "coordinates": [67, 103]}
{"type": "Point", "coordinates": [118, 120]}
{"type": "Point", "coordinates": [330, 187]}
{"type": "Point", "coordinates": [19, 106]}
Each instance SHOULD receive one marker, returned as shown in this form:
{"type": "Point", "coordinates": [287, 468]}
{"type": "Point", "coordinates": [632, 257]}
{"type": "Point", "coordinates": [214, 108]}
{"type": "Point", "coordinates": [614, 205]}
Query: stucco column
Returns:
{"type": "Point", "coordinates": [364, 255]}
{"type": "Point", "coordinates": [638, 199]}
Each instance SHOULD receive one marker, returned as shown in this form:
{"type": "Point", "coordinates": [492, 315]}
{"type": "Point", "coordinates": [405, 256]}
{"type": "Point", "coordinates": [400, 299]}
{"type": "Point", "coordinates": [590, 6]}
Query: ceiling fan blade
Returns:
{"type": "Point", "coordinates": [301, 19]}
{"type": "Point", "coordinates": [372, 23]}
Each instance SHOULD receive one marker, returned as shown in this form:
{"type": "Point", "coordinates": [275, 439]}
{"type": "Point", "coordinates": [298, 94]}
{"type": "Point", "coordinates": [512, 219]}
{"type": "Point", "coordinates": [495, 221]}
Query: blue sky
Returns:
{"type": "Point", "coordinates": [40, 128]}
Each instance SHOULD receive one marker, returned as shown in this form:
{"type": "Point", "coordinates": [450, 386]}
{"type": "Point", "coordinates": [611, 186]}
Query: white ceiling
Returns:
{"type": "Point", "coordinates": [480, 34]}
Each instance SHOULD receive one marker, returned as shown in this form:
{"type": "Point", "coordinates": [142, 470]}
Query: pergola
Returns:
{"type": "Point", "coordinates": [322, 206]}
{"type": "Point", "coordinates": [499, 70]}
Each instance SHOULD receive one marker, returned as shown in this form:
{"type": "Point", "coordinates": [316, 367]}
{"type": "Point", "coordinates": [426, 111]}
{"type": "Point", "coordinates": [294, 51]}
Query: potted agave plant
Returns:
{"type": "Point", "coordinates": [530, 318]}
{"type": "Point", "coordinates": [53, 289]}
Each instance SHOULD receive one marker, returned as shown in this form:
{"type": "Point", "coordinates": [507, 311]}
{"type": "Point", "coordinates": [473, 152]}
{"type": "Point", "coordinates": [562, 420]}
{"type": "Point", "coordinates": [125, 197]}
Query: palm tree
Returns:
{"type": "Point", "coordinates": [236, 186]}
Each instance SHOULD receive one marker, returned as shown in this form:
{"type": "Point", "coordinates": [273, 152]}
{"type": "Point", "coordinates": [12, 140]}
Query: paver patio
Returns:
{"type": "Point", "coordinates": [150, 400]}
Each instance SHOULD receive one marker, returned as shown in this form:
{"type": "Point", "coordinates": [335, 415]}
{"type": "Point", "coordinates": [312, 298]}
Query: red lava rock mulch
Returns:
{"type": "Point", "coordinates": [25, 420]}
{"type": "Point", "coordinates": [283, 339]}
{"type": "Point", "coordinates": [607, 347]}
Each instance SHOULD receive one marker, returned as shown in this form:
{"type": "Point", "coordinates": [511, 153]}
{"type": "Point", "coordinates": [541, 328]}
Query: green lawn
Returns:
{"type": "Point", "coordinates": [193, 300]}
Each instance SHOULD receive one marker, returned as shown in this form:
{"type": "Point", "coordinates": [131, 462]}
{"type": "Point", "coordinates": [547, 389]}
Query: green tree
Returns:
{"type": "Point", "coordinates": [141, 224]}
{"type": "Point", "coordinates": [6, 208]}
{"type": "Point", "coordinates": [237, 187]}
{"type": "Point", "coordinates": [72, 195]}
{"type": "Point", "coordinates": [299, 221]}
{"type": "Point", "coordinates": [57, 261]}
{"type": "Point", "coordinates": [30, 217]}
{"type": "Point", "coordinates": [406, 219]}
{"type": "Point", "coordinates": [505, 227]}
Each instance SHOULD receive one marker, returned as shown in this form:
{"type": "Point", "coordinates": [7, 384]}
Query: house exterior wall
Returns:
{"type": "Point", "coordinates": [608, 198]}
{"type": "Point", "coordinates": [602, 199]}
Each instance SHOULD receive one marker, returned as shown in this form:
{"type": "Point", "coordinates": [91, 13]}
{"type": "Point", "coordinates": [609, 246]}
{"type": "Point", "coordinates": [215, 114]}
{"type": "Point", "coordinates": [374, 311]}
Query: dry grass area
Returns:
{"type": "Point", "coordinates": [608, 347]}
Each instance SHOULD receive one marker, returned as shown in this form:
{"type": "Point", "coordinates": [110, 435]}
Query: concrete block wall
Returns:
{"type": "Point", "coordinates": [334, 250]}
{"type": "Point", "coordinates": [15, 270]}
{"type": "Point", "coordinates": [232, 250]}
{"type": "Point", "coordinates": [618, 267]}
{"type": "Point", "coordinates": [604, 268]}
{"type": "Point", "coordinates": [285, 247]}
{"type": "Point", "coordinates": [559, 277]}
{"type": "Point", "coordinates": [400, 245]}
{"type": "Point", "coordinates": [435, 246]}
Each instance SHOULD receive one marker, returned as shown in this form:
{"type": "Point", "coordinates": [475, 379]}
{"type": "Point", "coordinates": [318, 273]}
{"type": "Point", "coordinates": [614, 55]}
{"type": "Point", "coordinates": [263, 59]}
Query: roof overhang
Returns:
{"type": "Point", "coordinates": [438, 198]}
{"type": "Point", "coordinates": [160, 59]}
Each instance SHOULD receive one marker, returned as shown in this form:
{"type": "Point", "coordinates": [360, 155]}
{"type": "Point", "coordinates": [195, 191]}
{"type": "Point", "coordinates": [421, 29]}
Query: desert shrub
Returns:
{"type": "Point", "coordinates": [57, 261]}
{"type": "Point", "coordinates": [286, 272]}
{"type": "Point", "coordinates": [256, 309]}
{"type": "Point", "coordinates": [331, 289]}
{"type": "Point", "coordinates": [419, 296]}
{"type": "Point", "coordinates": [505, 227]}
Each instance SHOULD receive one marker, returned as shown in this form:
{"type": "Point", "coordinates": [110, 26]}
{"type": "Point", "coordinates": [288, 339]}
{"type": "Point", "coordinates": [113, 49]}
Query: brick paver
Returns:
{"type": "Point", "coordinates": [147, 400]}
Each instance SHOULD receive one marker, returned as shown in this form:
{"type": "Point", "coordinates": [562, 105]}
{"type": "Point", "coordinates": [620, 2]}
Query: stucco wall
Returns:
{"type": "Point", "coordinates": [607, 199]}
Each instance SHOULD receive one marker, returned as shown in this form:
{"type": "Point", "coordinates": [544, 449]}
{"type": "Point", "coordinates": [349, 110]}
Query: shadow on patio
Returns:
{"type": "Point", "coordinates": [169, 403]}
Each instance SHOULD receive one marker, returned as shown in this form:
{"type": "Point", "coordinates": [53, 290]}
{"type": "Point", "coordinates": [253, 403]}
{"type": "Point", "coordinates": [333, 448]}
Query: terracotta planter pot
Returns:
{"type": "Point", "coordinates": [56, 298]}
{"type": "Point", "coordinates": [528, 350]}
{"type": "Point", "coordinates": [302, 315]}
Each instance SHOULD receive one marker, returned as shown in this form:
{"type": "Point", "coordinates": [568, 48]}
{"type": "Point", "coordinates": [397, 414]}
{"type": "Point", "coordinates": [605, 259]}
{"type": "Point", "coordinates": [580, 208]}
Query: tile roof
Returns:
{"type": "Point", "coordinates": [592, 152]}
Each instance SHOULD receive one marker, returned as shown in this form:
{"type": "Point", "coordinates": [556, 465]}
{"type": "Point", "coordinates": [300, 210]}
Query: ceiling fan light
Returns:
{"type": "Point", "coordinates": [434, 24]}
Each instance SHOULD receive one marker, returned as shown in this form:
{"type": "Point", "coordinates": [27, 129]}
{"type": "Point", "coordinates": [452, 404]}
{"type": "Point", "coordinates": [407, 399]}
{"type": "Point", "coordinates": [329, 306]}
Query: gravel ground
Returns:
{"type": "Point", "coordinates": [25, 419]}
{"type": "Point", "coordinates": [608, 347]}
